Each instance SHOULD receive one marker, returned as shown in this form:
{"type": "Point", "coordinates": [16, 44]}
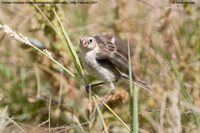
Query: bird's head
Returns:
{"type": "Point", "coordinates": [88, 43]}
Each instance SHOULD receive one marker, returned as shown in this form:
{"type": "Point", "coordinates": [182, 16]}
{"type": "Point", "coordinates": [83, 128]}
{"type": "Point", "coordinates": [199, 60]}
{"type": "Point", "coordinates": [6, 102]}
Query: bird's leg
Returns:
{"type": "Point", "coordinates": [100, 83]}
{"type": "Point", "coordinates": [90, 87]}
{"type": "Point", "coordinates": [87, 86]}
{"type": "Point", "coordinates": [97, 84]}
{"type": "Point", "coordinates": [102, 101]}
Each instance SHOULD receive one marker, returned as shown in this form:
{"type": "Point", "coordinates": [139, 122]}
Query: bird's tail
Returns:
{"type": "Point", "coordinates": [141, 83]}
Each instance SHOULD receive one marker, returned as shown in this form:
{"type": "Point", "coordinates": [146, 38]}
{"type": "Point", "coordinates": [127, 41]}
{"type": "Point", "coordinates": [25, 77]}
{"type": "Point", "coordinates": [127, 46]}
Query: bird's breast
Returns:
{"type": "Point", "coordinates": [90, 62]}
{"type": "Point", "coordinates": [101, 70]}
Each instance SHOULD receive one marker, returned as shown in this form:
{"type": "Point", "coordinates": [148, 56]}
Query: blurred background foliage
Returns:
{"type": "Point", "coordinates": [161, 34]}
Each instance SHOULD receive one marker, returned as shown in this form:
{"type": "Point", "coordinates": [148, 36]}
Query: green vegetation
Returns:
{"type": "Point", "coordinates": [42, 90]}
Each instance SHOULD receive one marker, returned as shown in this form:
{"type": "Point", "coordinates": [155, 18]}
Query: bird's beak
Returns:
{"type": "Point", "coordinates": [84, 42]}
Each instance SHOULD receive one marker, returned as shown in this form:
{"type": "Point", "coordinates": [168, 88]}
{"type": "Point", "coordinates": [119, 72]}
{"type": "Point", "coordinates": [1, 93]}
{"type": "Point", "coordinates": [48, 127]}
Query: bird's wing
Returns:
{"type": "Point", "coordinates": [116, 51]}
{"type": "Point", "coordinates": [113, 49]}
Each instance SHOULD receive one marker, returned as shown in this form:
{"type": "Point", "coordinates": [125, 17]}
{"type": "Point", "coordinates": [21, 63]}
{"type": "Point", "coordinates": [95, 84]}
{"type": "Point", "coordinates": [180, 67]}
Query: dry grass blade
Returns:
{"type": "Point", "coordinates": [185, 94]}
{"type": "Point", "coordinates": [50, 113]}
{"type": "Point", "coordinates": [39, 125]}
{"type": "Point", "coordinates": [133, 97]}
{"type": "Point", "coordinates": [101, 116]}
{"type": "Point", "coordinates": [66, 40]}
{"type": "Point", "coordinates": [25, 40]}
{"type": "Point", "coordinates": [70, 47]}
{"type": "Point", "coordinates": [115, 114]}
{"type": "Point", "coordinates": [22, 130]}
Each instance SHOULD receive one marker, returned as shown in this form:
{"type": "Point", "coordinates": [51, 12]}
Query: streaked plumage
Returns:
{"type": "Point", "coordinates": [114, 50]}
{"type": "Point", "coordinates": [106, 57]}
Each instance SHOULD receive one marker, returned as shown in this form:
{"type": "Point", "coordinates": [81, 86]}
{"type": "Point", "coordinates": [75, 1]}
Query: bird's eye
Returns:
{"type": "Point", "coordinates": [90, 40]}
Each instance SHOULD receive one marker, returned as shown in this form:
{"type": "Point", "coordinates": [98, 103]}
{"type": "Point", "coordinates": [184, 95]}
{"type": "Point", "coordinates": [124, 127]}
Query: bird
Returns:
{"type": "Point", "coordinates": [105, 56]}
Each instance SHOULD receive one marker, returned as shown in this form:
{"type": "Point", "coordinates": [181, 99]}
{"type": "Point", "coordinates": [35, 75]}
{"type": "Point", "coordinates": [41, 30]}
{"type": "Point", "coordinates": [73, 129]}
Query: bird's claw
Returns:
{"type": "Point", "coordinates": [101, 103]}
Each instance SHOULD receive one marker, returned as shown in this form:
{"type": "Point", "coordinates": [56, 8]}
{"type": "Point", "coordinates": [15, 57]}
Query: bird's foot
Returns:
{"type": "Point", "coordinates": [101, 102]}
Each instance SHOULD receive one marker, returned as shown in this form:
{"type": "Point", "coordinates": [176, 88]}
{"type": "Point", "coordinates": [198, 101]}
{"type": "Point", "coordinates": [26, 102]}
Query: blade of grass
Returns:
{"type": "Point", "coordinates": [15, 123]}
{"type": "Point", "coordinates": [70, 47]}
{"type": "Point", "coordinates": [25, 40]}
{"type": "Point", "coordinates": [49, 115]}
{"type": "Point", "coordinates": [43, 14]}
{"type": "Point", "coordinates": [38, 82]}
{"type": "Point", "coordinates": [133, 98]}
{"type": "Point", "coordinates": [60, 65]}
{"type": "Point", "coordinates": [135, 110]}
{"type": "Point", "coordinates": [100, 114]}
{"type": "Point", "coordinates": [114, 114]}
{"type": "Point", "coordinates": [67, 40]}
{"type": "Point", "coordinates": [198, 45]}
{"type": "Point", "coordinates": [185, 94]}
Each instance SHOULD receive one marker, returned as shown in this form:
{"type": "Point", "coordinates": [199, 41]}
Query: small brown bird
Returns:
{"type": "Point", "coordinates": [106, 57]}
